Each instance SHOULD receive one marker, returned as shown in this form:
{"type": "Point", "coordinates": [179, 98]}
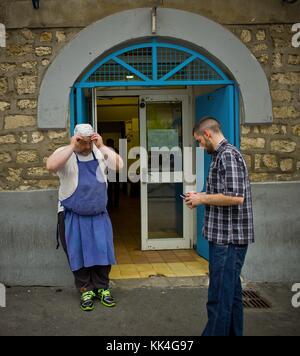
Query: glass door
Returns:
{"type": "Point", "coordinates": [162, 136]}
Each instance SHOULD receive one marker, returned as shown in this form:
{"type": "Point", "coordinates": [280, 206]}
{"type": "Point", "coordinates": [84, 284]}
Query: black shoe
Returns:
{"type": "Point", "coordinates": [87, 301]}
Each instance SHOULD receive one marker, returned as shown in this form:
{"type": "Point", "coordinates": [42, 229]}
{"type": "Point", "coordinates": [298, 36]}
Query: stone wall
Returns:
{"type": "Point", "coordinates": [23, 148]}
{"type": "Point", "coordinates": [272, 151]}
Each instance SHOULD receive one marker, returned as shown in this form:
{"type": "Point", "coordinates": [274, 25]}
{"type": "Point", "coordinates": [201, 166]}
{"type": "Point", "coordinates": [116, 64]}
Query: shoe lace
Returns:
{"type": "Point", "coordinates": [87, 295]}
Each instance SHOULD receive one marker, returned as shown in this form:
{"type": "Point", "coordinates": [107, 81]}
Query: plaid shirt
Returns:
{"type": "Point", "coordinates": [228, 175]}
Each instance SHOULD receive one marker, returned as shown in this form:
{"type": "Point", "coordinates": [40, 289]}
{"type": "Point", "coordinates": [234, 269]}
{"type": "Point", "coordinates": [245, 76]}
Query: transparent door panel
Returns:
{"type": "Point", "coordinates": [165, 211]}
{"type": "Point", "coordinates": [164, 144]}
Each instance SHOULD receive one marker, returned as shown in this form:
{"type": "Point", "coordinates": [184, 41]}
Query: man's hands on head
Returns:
{"type": "Point", "coordinates": [78, 143]}
{"type": "Point", "coordinates": [97, 139]}
{"type": "Point", "coordinates": [75, 141]}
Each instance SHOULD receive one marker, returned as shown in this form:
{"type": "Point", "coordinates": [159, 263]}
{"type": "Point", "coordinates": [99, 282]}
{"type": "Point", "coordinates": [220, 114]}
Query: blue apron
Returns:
{"type": "Point", "coordinates": [88, 229]}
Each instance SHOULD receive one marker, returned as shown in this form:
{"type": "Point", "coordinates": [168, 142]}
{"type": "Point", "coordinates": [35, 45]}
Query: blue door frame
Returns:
{"type": "Point", "coordinates": [160, 64]}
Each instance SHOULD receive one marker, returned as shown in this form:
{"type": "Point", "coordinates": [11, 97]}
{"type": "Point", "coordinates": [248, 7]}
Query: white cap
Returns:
{"type": "Point", "coordinates": [84, 130]}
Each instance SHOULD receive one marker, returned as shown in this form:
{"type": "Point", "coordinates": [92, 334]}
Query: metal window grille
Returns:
{"type": "Point", "coordinates": [154, 62]}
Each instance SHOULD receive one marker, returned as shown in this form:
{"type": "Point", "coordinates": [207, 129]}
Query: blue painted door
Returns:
{"type": "Point", "coordinates": [81, 107]}
{"type": "Point", "coordinates": [220, 104]}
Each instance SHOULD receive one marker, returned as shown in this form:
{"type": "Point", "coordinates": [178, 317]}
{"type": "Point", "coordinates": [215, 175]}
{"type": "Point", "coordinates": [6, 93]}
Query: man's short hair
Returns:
{"type": "Point", "coordinates": [207, 122]}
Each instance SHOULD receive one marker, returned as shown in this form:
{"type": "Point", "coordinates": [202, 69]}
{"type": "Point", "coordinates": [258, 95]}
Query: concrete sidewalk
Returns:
{"type": "Point", "coordinates": [153, 306]}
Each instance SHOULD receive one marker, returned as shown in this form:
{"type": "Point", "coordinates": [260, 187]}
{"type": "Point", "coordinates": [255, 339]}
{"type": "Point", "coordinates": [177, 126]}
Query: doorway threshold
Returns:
{"type": "Point", "coordinates": [183, 267]}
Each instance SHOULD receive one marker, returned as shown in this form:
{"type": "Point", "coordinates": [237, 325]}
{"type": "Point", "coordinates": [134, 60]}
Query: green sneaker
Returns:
{"type": "Point", "coordinates": [105, 297]}
{"type": "Point", "coordinates": [87, 302]}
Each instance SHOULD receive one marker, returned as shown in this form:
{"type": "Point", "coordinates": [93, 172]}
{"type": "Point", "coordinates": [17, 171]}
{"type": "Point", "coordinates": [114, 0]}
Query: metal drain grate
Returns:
{"type": "Point", "coordinates": [252, 300]}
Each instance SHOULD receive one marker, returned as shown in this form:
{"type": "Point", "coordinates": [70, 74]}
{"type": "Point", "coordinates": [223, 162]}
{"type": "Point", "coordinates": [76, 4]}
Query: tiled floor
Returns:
{"type": "Point", "coordinates": [134, 263]}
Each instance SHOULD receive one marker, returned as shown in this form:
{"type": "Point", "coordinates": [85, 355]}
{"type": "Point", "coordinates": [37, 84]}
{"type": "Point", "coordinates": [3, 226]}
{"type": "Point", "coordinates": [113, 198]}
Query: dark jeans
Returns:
{"type": "Point", "coordinates": [86, 279]}
{"type": "Point", "coordinates": [225, 302]}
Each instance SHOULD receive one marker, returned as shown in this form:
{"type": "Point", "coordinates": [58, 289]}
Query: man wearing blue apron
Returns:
{"type": "Point", "coordinates": [83, 223]}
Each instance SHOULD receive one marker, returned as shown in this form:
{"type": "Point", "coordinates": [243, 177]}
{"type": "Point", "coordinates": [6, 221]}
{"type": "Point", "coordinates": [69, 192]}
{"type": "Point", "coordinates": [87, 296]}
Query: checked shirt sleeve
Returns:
{"type": "Point", "coordinates": [233, 175]}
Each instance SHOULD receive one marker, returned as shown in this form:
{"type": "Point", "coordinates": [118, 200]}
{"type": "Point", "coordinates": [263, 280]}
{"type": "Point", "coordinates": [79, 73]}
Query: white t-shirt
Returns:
{"type": "Point", "coordinates": [68, 174]}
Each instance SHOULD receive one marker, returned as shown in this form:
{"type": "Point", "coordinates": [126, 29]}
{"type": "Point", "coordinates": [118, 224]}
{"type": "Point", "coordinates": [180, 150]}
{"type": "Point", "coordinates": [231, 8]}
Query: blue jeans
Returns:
{"type": "Point", "coordinates": [225, 302]}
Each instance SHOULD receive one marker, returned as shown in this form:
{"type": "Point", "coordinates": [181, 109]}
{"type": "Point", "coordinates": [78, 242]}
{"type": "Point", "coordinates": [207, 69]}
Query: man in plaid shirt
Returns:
{"type": "Point", "coordinates": [228, 227]}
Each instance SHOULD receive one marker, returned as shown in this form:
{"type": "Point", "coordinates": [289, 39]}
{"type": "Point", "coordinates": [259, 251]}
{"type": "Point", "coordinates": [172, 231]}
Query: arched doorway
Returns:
{"type": "Point", "coordinates": [163, 78]}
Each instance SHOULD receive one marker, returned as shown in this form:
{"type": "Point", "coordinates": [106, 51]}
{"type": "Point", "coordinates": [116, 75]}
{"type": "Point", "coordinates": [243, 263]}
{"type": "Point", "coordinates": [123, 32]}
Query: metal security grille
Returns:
{"type": "Point", "coordinates": [110, 72]}
{"type": "Point", "coordinates": [252, 300]}
{"type": "Point", "coordinates": [168, 59]}
{"type": "Point", "coordinates": [154, 64]}
{"type": "Point", "coordinates": [148, 64]}
{"type": "Point", "coordinates": [197, 70]}
{"type": "Point", "coordinates": [140, 59]}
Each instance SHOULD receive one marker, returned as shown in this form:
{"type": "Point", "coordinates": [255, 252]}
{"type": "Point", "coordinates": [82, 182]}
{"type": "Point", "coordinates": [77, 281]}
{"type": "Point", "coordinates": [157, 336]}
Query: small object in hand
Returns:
{"type": "Point", "coordinates": [183, 196]}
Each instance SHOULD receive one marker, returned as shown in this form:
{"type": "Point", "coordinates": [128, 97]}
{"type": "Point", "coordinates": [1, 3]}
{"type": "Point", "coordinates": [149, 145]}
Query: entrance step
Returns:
{"type": "Point", "coordinates": [197, 268]}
